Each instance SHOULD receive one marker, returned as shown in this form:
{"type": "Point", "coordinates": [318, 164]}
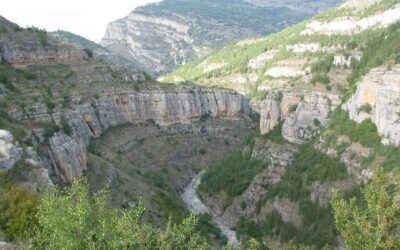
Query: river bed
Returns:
{"type": "Point", "coordinates": [192, 201]}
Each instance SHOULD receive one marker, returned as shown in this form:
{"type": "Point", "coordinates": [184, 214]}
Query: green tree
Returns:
{"type": "Point", "coordinates": [71, 219]}
{"type": "Point", "coordinates": [374, 224]}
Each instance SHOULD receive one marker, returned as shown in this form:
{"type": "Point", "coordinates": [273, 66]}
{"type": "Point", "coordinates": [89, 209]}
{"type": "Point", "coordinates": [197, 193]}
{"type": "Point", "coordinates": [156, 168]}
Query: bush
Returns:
{"type": "Point", "coordinates": [202, 151]}
{"type": "Point", "coordinates": [323, 65]}
{"type": "Point", "coordinates": [321, 79]}
{"type": "Point", "coordinates": [73, 220]}
{"type": "Point", "coordinates": [67, 129]}
{"type": "Point", "coordinates": [88, 52]}
{"type": "Point", "coordinates": [41, 34]}
{"type": "Point", "coordinates": [292, 108]}
{"type": "Point", "coordinates": [17, 213]}
{"type": "Point", "coordinates": [248, 229]}
{"type": "Point", "coordinates": [367, 108]}
{"type": "Point", "coordinates": [275, 134]}
{"type": "Point", "coordinates": [50, 129]}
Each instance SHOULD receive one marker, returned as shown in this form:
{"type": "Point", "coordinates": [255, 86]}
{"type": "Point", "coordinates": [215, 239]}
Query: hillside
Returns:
{"type": "Point", "coordinates": [328, 97]}
{"type": "Point", "coordinates": [101, 52]}
{"type": "Point", "coordinates": [65, 113]}
{"type": "Point", "coordinates": [165, 35]}
{"type": "Point", "coordinates": [254, 138]}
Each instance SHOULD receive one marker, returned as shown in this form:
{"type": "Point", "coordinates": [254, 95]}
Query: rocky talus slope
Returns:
{"type": "Point", "coordinates": [165, 35]}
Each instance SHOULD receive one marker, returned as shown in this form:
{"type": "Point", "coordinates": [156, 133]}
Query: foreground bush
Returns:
{"type": "Point", "coordinates": [17, 212]}
{"type": "Point", "coordinates": [71, 219]}
{"type": "Point", "coordinates": [373, 224]}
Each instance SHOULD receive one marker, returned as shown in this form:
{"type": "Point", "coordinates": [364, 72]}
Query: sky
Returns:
{"type": "Point", "coordinates": [87, 18]}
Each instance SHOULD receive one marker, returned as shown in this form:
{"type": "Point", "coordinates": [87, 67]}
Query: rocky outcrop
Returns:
{"type": "Point", "coordinates": [302, 113]}
{"type": "Point", "coordinates": [162, 105]}
{"type": "Point", "coordinates": [10, 153]}
{"type": "Point", "coordinates": [378, 98]}
{"type": "Point", "coordinates": [259, 61]}
{"type": "Point", "coordinates": [34, 47]}
{"type": "Point", "coordinates": [163, 36]}
{"type": "Point", "coordinates": [276, 158]}
{"type": "Point", "coordinates": [352, 25]}
{"type": "Point", "coordinates": [159, 51]}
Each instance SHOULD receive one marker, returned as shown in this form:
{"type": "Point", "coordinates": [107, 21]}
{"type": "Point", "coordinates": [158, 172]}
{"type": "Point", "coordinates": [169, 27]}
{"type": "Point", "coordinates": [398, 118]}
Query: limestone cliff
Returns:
{"type": "Point", "coordinates": [163, 105]}
{"type": "Point", "coordinates": [171, 33]}
{"type": "Point", "coordinates": [378, 98]}
{"type": "Point", "coordinates": [302, 113]}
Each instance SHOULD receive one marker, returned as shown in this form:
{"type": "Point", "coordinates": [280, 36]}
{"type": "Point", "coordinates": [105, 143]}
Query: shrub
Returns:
{"type": "Point", "coordinates": [367, 108]}
{"type": "Point", "coordinates": [73, 220]}
{"type": "Point", "coordinates": [67, 129]}
{"type": "Point", "coordinates": [17, 213]}
{"type": "Point", "coordinates": [248, 229]}
{"type": "Point", "coordinates": [323, 65]}
{"type": "Point", "coordinates": [41, 34]}
{"type": "Point", "coordinates": [50, 129]}
{"type": "Point", "coordinates": [88, 52]}
{"type": "Point", "coordinates": [372, 226]}
{"type": "Point", "coordinates": [202, 151]}
{"type": "Point", "coordinates": [321, 79]}
{"type": "Point", "coordinates": [275, 134]}
{"type": "Point", "coordinates": [292, 108]}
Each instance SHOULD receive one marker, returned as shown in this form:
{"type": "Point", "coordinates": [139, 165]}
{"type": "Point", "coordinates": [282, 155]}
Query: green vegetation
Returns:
{"type": "Point", "coordinates": [365, 133]}
{"type": "Point", "coordinates": [309, 165]}
{"type": "Point", "coordinates": [373, 226]}
{"type": "Point", "coordinates": [378, 47]}
{"type": "Point", "coordinates": [248, 229]}
{"type": "Point", "coordinates": [168, 198]}
{"type": "Point", "coordinates": [41, 34]}
{"type": "Point", "coordinates": [17, 212]}
{"type": "Point", "coordinates": [50, 129]}
{"type": "Point", "coordinates": [232, 175]}
{"type": "Point", "coordinates": [71, 219]}
{"type": "Point", "coordinates": [67, 129]}
{"type": "Point", "coordinates": [321, 79]}
{"type": "Point", "coordinates": [88, 52]}
{"type": "Point", "coordinates": [207, 228]}
{"type": "Point", "coordinates": [324, 65]}
{"type": "Point", "coordinates": [274, 226]}
{"type": "Point", "coordinates": [275, 134]}
{"type": "Point", "coordinates": [317, 228]}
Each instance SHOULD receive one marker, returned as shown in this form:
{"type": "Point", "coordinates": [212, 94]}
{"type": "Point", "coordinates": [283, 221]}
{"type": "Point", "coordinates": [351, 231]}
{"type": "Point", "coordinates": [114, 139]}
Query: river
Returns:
{"type": "Point", "coordinates": [192, 201]}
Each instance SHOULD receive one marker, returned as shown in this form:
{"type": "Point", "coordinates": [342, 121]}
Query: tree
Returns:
{"type": "Point", "coordinates": [71, 219]}
{"type": "Point", "coordinates": [374, 224]}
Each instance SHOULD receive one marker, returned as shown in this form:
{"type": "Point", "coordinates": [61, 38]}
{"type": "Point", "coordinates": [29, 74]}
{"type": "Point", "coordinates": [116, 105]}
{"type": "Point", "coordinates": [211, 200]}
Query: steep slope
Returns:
{"type": "Point", "coordinates": [327, 93]}
{"type": "Point", "coordinates": [165, 35]}
{"type": "Point", "coordinates": [66, 113]}
{"type": "Point", "coordinates": [103, 53]}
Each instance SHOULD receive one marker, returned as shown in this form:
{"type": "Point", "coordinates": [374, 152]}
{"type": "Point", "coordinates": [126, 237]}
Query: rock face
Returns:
{"type": "Point", "coordinates": [34, 47]}
{"type": "Point", "coordinates": [164, 106]}
{"type": "Point", "coordinates": [276, 158]}
{"type": "Point", "coordinates": [303, 113]}
{"type": "Point", "coordinates": [352, 25]}
{"type": "Point", "coordinates": [378, 98]}
{"type": "Point", "coordinates": [10, 153]}
{"type": "Point", "coordinates": [171, 33]}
